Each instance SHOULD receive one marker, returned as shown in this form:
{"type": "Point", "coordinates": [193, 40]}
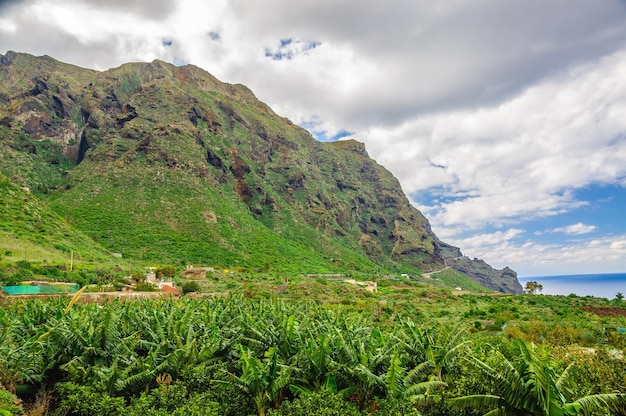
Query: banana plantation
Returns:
{"type": "Point", "coordinates": [239, 356]}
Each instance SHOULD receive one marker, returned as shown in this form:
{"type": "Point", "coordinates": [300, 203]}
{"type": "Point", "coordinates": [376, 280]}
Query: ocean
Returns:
{"type": "Point", "coordinates": [598, 285]}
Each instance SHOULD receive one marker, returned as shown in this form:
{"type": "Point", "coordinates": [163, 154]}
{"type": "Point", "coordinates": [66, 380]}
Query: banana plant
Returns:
{"type": "Point", "coordinates": [530, 386]}
{"type": "Point", "coordinates": [272, 325]}
{"type": "Point", "coordinates": [403, 384]}
{"type": "Point", "coordinates": [360, 361]}
{"type": "Point", "coordinates": [263, 380]}
{"type": "Point", "coordinates": [313, 368]}
{"type": "Point", "coordinates": [9, 352]}
{"type": "Point", "coordinates": [432, 350]}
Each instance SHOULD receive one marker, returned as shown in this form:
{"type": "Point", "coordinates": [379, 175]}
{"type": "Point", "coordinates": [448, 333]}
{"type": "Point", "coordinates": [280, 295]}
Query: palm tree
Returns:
{"type": "Point", "coordinates": [529, 386]}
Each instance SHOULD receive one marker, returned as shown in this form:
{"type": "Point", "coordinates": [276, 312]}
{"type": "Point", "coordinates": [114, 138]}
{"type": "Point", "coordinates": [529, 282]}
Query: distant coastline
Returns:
{"type": "Point", "coordinates": [602, 285]}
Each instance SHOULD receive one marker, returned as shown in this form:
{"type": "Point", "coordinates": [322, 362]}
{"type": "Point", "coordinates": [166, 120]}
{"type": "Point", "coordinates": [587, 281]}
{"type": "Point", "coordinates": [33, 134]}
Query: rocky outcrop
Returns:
{"type": "Point", "coordinates": [504, 280]}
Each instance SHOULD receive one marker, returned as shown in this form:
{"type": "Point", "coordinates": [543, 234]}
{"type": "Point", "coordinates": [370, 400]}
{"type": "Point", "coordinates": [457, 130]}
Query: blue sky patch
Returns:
{"type": "Point", "coordinates": [323, 135]}
{"type": "Point", "coordinates": [180, 62]}
{"type": "Point", "coordinates": [290, 48]}
{"type": "Point", "coordinates": [439, 195]}
{"type": "Point", "coordinates": [603, 215]}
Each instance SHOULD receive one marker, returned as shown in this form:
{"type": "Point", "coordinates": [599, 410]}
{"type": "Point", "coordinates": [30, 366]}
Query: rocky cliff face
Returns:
{"type": "Point", "coordinates": [504, 280]}
{"type": "Point", "coordinates": [167, 163]}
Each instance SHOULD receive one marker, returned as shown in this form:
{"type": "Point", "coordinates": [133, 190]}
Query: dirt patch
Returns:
{"type": "Point", "coordinates": [613, 312]}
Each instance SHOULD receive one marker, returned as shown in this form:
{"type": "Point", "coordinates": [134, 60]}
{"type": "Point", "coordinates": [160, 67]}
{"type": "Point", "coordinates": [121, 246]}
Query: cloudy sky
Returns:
{"type": "Point", "coordinates": [505, 121]}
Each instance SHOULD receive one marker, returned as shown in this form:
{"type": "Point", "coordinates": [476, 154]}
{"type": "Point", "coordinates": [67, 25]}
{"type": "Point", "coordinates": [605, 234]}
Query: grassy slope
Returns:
{"type": "Point", "coordinates": [30, 231]}
{"type": "Point", "coordinates": [452, 278]}
{"type": "Point", "coordinates": [178, 219]}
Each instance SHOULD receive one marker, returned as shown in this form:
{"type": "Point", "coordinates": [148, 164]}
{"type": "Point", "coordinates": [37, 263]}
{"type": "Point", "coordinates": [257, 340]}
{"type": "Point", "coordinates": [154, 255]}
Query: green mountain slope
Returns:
{"type": "Point", "coordinates": [30, 231]}
{"type": "Point", "coordinates": [164, 163]}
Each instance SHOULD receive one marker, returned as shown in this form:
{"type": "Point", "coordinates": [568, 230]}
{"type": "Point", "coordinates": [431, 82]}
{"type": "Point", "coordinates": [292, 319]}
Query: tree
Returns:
{"type": "Point", "coordinates": [138, 277]}
{"type": "Point", "coordinates": [165, 272]}
{"type": "Point", "coordinates": [619, 296]}
{"type": "Point", "coordinates": [529, 386]}
{"type": "Point", "coordinates": [533, 287]}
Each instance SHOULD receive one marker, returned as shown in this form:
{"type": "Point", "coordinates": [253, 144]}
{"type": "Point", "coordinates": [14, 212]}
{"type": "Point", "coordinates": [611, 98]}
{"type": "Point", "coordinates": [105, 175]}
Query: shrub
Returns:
{"type": "Point", "coordinates": [145, 287]}
{"type": "Point", "coordinates": [82, 277]}
{"type": "Point", "coordinates": [165, 272]}
{"type": "Point", "coordinates": [9, 280]}
{"type": "Point", "coordinates": [52, 272]}
{"type": "Point", "coordinates": [191, 287]}
{"type": "Point", "coordinates": [138, 277]}
{"type": "Point", "coordinates": [23, 264]}
{"type": "Point", "coordinates": [321, 403]}
{"type": "Point", "coordinates": [206, 378]}
{"type": "Point", "coordinates": [18, 277]}
{"type": "Point", "coordinates": [118, 284]}
{"type": "Point", "coordinates": [174, 405]}
{"type": "Point", "coordinates": [8, 404]}
{"type": "Point", "coordinates": [392, 407]}
{"type": "Point", "coordinates": [86, 401]}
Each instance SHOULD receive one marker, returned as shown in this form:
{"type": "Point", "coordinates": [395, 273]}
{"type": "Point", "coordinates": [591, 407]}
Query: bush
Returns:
{"type": "Point", "coordinates": [165, 272]}
{"type": "Point", "coordinates": [104, 276]}
{"type": "Point", "coordinates": [209, 379]}
{"type": "Point", "coordinates": [138, 277]}
{"type": "Point", "coordinates": [82, 277]}
{"type": "Point", "coordinates": [52, 272]}
{"type": "Point", "coordinates": [321, 403]}
{"type": "Point", "coordinates": [191, 287]}
{"type": "Point", "coordinates": [119, 284]}
{"type": "Point", "coordinates": [18, 277]}
{"type": "Point", "coordinates": [23, 264]}
{"type": "Point", "coordinates": [392, 407]}
{"type": "Point", "coordinates": [86, 401]}
{"type": "Point", "coordinates": [175, 400]}
{"type": "Point", "coordinates": [145, 287]}
{"type": "Point", "coordinates": [8, 404]}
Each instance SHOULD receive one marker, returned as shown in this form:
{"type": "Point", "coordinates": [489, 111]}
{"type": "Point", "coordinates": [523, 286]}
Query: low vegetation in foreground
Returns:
{"type": "Point", "coordinates": [300, 346]}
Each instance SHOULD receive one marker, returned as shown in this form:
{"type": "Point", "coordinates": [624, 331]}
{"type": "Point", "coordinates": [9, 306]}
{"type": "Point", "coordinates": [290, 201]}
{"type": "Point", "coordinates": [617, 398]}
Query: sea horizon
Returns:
{"type": "Point", "coordinates": [601, 285]}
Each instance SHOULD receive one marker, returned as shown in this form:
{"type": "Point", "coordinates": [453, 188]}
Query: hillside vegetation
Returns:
{"type": "Point", "coordinates": [277, 354]}
{"type": "Point", "coordinates": [167, 164]}
{"type": "Point", "coordinates": [29, 230]}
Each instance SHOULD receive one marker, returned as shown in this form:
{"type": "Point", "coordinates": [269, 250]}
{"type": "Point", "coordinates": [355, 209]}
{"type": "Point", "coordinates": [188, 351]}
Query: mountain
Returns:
{"type": "Point", "coordinates": [167, 164]}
